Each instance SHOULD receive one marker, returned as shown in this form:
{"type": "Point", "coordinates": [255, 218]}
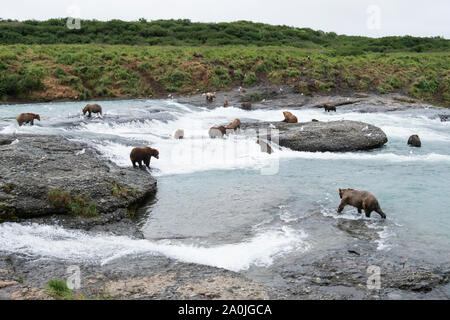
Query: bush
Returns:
{"type": "Point", "coordinates": [250, 79]}
{"type": "Point", "coordinates": [293, 73]}
{"type": "Point", "coordinates": [59, 73]}
{"type": "Point", "coordinates": [30, 82]}
{"type": "Point", "coordinates": [427, 85]}
{"type": "Point", "coordinates": [238, 74]}
{"type": "Point", "coordinates": [220, 77]}
{"type": "Point", "coordinates": [265, 67]}
{"type": "Point", "coordinates": [9, 84]}
{"type": "Point", "coordinates": [78, 205]}
{"type": "Point", "coordinates": [59, 198]}
{"type": "Point", "coordinates": [59, 290]}
{"type": "Point", "coordinates": [146, 66]}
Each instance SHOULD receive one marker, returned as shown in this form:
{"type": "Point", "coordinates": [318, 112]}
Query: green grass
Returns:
{"type": "Point", "coordinates": [80, 72]}
{"type": "Point", "coordinates": [59, 290]}
{"type": "Point", "coordinates": [6, 188]}
{"type": "Point", "coordinates": [76, 205]}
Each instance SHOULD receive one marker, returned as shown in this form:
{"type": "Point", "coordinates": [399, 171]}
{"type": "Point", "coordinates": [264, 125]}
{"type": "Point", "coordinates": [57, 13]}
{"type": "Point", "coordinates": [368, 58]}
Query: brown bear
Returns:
{"type": "Point", "coordinates": [314, 120]}
{"type": "Point", "coordinates": [215, 132]}
{"type": "Point", "coordinates": [92, 108]}
{"type": "Point", "coordinates": [264, 146]}
{"type": "Point", "coordinates": [234, 125]}
{"type": "Point", "coordinates": [362, 200]}
{"type": "Point", "coordinates": [246, 105]}
{"type": "Point", "coordinates": [210, 97]}
{"type": "Point", "coordinates": [27, 118]}
{"type": "Point", "coordinates": [289, 117]}
{"type": "Point", "coordinates": [329, 107]}
{"type": "Point", "coordinates": [414, 141]}
{"type": "Point", "coordinates": [143, 154]}
{"type": "Point", "coordinates": [179, 134]}
{"type": "Point", "coordinates": [225, 103]}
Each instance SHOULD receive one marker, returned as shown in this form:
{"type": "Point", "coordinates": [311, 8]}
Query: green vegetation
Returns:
{"type": "Point", "coordinates": [59, 290]}
{"type": "Point", "coordinates": [132, 209]}
{"type": "Point", "coordinates": [77, 205]}
{"type": "Point", "coordinates": [7, 213]}
{"type": "Point", "coordinates": [156, 58]}
{"type": "Point", "coordinates": [119, 191]}
{"type": "Point", "coordinates": [187, 33]}
{"type": "Point", "coordinates": [6, 188]}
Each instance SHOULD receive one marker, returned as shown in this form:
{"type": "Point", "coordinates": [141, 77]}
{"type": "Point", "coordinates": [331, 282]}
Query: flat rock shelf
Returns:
{"type": "Point", "coordinates": [333, 136]}
{"type": "Point", "coordinates": [32, 167]}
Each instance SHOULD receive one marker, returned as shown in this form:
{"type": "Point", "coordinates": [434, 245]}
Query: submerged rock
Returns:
{"type": "Point", "coordinates": [46, 175]}
{"type": "Point", "coordinates": [333, 136]}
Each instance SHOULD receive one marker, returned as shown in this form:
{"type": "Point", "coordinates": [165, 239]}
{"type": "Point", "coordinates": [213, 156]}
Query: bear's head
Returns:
{"type": "Point", "coordinates": [154, 153]}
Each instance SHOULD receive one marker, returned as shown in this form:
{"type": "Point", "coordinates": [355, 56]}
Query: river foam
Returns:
{"type": "Point", "coordinates": [75, 246]}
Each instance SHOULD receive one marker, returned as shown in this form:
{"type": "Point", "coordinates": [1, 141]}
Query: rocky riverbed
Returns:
{"type": "Point", "coordinates": [338, 274]}
{"type": "Point", "coordinates": [287, 97]}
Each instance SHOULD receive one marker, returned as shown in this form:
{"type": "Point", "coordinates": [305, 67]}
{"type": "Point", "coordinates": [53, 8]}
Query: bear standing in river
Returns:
{"type": "Point", "coordinates": [27, 118]}
{"type": "Point", "coordinates": [362, 200]}
{"type": "Point", "coordinates": [210, 97]}
{"type": "Point", "coordinates": [246, 105]}
{"type": "Point", "coordinates": [215, 132]}
{"type": "Point", "coordinates": [92, 108]}
{"type": "Point", "coordinates": [289, 117]}
{"type": "Point", "coordinates": [329, 107]}
{"type": "Point", "coordinates": [143, 154]}
{"type": "Point", "coordinates": [179, 134]}
{"type": "Point", "coordinates": [414, 141]}
{"type": "Point", "coordinates": [234, 125]}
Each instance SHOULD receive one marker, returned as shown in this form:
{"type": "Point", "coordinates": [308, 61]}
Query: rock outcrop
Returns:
{"type": "Point", "coordinates": [333, 136]}
{"type": "Point", "coordinates": [46, 175]}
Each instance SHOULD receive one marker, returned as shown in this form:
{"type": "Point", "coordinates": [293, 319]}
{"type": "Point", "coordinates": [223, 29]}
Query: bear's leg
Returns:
{"type": "Point", "coordinates": [368, 212]}
{"type": "Point", "coordinates": [381, 213]}
{"type": "Point", "coordinates": [147, 163]}
{"type": "Point", "coordinates": [360, 210]}
{"type": "Point", "coordinates": [341, 206]}
{"type": "Point", "coordinates": [134, 164]}
{"type": "Point", "coordinates": [140, 164]}
{"type": "Point", "coordinates": [32, 122]}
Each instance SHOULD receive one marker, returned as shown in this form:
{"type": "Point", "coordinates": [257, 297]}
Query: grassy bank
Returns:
{"type": "Point", "coordinates": [80, 72]}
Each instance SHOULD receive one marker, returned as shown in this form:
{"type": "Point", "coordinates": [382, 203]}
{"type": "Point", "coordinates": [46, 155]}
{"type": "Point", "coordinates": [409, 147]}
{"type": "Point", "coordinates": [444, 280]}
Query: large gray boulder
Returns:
{"type": "Point", "coordinates": [333, 136]}
{"type": "Point", "coordinates": [32, 167]}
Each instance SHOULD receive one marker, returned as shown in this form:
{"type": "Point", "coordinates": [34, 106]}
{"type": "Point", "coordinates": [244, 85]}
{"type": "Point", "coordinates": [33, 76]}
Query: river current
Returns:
{"type": "Point", "coordinates": [223, 203]}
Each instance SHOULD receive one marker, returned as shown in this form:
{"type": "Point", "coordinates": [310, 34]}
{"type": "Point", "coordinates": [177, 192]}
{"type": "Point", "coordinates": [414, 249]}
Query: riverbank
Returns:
{"type": "Point", "coordinates": [84, 72]}
{"type": "Point", "coordinates": [329, 274]}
